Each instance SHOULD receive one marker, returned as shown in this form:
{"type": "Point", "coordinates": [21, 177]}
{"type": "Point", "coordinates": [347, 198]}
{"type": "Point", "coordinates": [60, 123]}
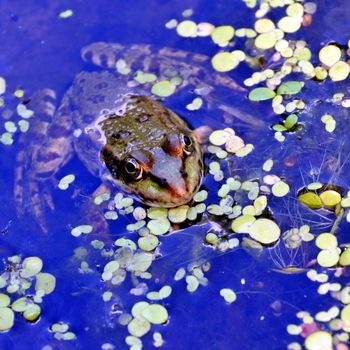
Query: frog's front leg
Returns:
{"type": "Point", "coordinates": [44, 150]}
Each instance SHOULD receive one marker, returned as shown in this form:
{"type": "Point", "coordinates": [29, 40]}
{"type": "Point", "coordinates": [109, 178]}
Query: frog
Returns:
{"type": "Point", "coordinates": [121, 133]}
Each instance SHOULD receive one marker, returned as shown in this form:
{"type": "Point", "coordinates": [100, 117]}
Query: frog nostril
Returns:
{"type": "Point", "coordinates": [163, 182]}
{"type": "Point", "coordinates": [172, 145]}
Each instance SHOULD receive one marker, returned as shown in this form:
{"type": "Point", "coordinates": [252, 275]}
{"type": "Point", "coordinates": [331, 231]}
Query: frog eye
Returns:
{"type": "Point", "coordinates": [188, 144]}
{"type": "Point", "coordinates": [133, 168]}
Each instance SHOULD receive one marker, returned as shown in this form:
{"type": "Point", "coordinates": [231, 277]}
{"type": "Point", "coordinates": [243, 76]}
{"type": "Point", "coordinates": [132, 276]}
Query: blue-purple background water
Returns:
{"type": "Point", "coordinates": [39, 50]}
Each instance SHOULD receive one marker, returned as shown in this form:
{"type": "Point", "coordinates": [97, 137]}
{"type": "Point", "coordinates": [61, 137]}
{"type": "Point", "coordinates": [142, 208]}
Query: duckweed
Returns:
{"type": "Point", "coordinates": [163, 88]}
{"type": "Point", "coordinates": [187, 29]}
{"type": "Point", "coordinates": [66, 14]}
{"type": "Point", "coordinates": [261, 94]}
{"type": "Point", "coordinates": [148, 243]}
{"type": "Point", "coordinates": [326, 241]}
{"type": "Point", "coordinates": [339, 71]}
{"type": "Point", "coordinates": [344, 259]}
{"type": "Point", "coordinates": [328, 257]}
{"type": "Point", "coordinates": [219, 137]}
{"type": "Point", "coordinates": [267, 166]}
{"type": "Point", "coordinates": [180, 274]}
{"type": "Point", "coordinates": [32, 312]}
{"type": "Point", "coordinates": [243, 223]}
{"type": "Point", "coordinates": [178, 214]}
{"type": "Point", "coordinates": [228, 294]}
{"type": "Point", "coordinates": [195, 104]}
{"type": "Point", "coordinates": [290, 24]}
{"type": "Point", "coordinates": [234, 143]}
{"type": "Point", "coordinates": [330, 198]}
{"type": "Point", "coordinates": [266, 41]}
{"type": "Point", "coordinates": [157, 340]}
{"type": "Point", "coordinates": [7, 318]}
{"type": "Point", "coordinates": [319, 340]}
{"type": "Point", "coordinates": [31, 266]}
{"type": "Point", "coordinates": [224, 61]}
{"type": "Point", "coordinates": [155, 314]}
{"type": "Point", "coordinates": [82, 229]}
{"type": "Point", "coordinates": [311, 200]}
{"type": "Point", "coordinates": [45, 282]}
{"type": "Point", "coordinates": [290, 88]}
{"type": "Point", "coordinates": [264, 25]}
{"type": "Point", "coordinates": [158, 226]}
{"type": "Point", "coordinates": [2, 85]}
{"type": "Point", "coordinates": [66, 181]}
{"type": "Point", "coordinates": [138, 327]}
{"type": "Point", "coordinates": [192, 283]}
{"type": "Point", "coordinates": [264, 231]}
{"type": "Point", "coordinates": [222, 35]}
{"type": "Point", "coordinates": [329, 55]}
{"type": "Point", "coordinates": [280, 189]}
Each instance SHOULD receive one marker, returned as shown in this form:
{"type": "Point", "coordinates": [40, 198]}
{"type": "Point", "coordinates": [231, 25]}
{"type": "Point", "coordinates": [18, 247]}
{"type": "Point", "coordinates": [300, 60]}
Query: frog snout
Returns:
{"type": "Point", "coordinates": [178, 188]}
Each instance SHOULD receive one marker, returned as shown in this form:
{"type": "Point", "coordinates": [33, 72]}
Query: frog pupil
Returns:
{"type": "Point", "coordinates": [187, 141]}
{"type": "Point", "coordinates": [131, 166]}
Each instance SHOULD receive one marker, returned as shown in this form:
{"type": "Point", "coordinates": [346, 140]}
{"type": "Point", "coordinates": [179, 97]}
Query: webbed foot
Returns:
{"type": "Point", "coordinates": [39, 157]}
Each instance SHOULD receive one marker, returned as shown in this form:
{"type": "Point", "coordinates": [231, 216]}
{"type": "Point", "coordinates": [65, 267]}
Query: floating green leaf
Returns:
{"type": "Point", "coordinates": [163, 88]}
{"type": "Point", "coordinates": [290, 88]}
{"type": "Point", "coordinates": [261, 94]}
{"type": "Point", "coordinates": [7, 318]}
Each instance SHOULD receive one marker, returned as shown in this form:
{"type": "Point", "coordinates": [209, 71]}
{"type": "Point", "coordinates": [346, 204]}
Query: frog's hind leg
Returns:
{"type": "Point", "coordinates": [45, 149]}
{"type": "Point", "coordinates": [193, 69]}
{"type": "Point", "coordinates": [160, 61]}
{"type": "Point", "coordinates": [104, 55]}
{"type": "Point", "coordinates": [30, 143]}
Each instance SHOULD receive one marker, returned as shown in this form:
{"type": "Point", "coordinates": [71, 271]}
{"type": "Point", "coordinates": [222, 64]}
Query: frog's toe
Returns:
{"type": "Point", "coordinates": [44, 102]}
{"type": "Point", "coordinates": [37, 207]}
{"type": "Point", "coordinates": [47, 196]}
{"type": "Point", "coordinates": [102, 54]}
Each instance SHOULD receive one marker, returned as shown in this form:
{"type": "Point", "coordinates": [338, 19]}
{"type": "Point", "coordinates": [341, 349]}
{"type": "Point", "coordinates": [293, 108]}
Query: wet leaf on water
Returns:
{"type": "Point", "coordinates": [264, 231]}
{"type": "Point", "coordinates": [261, 94]}
{"type": "Point", "coordinates": [328, 257]}
{"type": "Point", "coordinates": [319, 340]}
{"type": "Point", "coordinates": [222, 35]}
{"type": "Point", "coordinates": [187, 29]}
{"type": "Point", "coordinates": [155, 314]}
{"type": "Point", "coordinates": [329, 55]}
{"type": "Point", "coordinates": [290, 88]}
{"type": "Point", "coordinates": [163, 88]}
{"type": "Point", "coordinates": [311, 200]}
{"type": "Point", "coordinates": [224, 61]}
{"type": "Point", "coordinates": [7, 318]}
{"type": "Point", "coordinates": [46, 282]}
{"type": "Point", "coordinates": [228, 294]}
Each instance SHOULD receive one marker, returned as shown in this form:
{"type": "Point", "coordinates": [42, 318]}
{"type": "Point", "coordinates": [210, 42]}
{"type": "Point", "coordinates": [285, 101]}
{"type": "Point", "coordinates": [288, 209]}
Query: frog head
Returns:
{"type": "Point", "coordinates": [166, 176]}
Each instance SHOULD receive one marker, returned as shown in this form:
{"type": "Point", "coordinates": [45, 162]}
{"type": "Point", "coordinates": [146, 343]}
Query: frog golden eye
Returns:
{"type": "Point", "coordinates": [133, 168]}
{"type": "Point", "coordinates": [188, 144]}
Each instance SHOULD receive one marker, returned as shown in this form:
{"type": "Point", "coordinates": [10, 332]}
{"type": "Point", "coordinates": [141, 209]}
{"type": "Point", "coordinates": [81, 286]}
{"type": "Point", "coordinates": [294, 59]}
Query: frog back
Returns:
{"type": "Point", "coordinates": [93, 95]}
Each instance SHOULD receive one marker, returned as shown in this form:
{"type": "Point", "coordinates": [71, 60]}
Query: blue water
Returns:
{"type": "Point", "coordinates": [39, 50]}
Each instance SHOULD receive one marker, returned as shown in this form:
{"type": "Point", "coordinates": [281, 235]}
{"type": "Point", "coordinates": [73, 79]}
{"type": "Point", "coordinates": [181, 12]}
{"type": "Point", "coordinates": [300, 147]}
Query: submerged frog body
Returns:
{"type": "Point", "coordinates": [150, 151]}
{"type": "Point", "coordinates": [120, 133]}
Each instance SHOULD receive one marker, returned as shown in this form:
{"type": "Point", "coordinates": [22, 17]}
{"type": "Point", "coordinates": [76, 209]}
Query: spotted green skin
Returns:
{"type": "Point", "coordinates": [126, 122]}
